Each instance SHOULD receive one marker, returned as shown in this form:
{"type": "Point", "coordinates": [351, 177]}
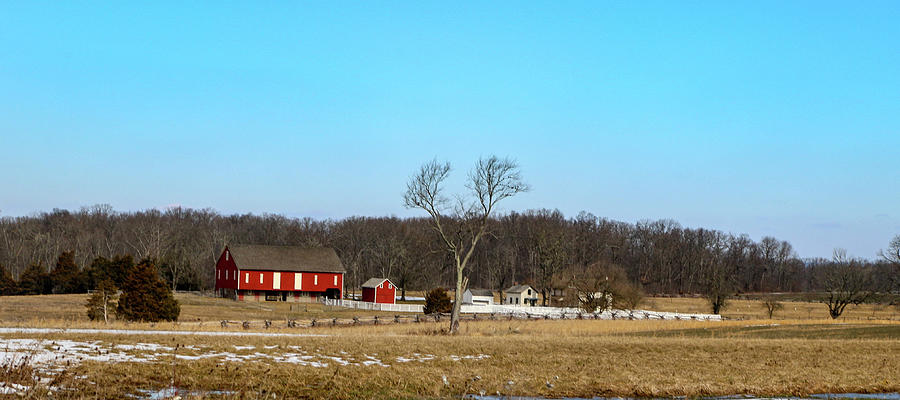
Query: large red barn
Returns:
{"type": "Point", "coordinates": [379, 290]}
{"type": "Point", "coordinates": [279, 273]}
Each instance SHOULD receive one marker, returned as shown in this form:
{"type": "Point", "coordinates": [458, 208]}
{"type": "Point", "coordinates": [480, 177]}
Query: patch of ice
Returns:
{"type": "Point", "coordinates": [172, 393]}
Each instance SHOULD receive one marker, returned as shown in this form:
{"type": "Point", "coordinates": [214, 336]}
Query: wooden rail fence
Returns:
{"type": "Point", "coordinates": [418, 318]}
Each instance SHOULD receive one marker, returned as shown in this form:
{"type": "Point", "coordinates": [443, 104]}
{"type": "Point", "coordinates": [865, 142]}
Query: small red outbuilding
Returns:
{"type": "Point", "coordinates": [379, 290]}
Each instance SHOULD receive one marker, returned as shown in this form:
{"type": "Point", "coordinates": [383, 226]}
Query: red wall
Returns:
{"type": "Point", "coordinates": [249, 279]}
{"type": "Point", "coordinates": [368, 295]}
{"type": "Point", "coordinates": [385, 293]}
{"type": "Point", "coordinates": [223, 280]}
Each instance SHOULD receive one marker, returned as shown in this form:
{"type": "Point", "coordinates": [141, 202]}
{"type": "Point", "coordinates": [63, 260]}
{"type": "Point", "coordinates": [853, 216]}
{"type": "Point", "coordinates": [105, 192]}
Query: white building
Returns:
{"type": "Point", "coordinates": [520, 295]}
{"type": "Point", "coordinates": [478, 297]}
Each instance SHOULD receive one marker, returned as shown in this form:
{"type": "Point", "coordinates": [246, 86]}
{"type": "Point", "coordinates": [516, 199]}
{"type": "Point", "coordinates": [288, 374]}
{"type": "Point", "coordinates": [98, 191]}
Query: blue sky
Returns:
{"type": "Point", "coordinates": [766, 118]}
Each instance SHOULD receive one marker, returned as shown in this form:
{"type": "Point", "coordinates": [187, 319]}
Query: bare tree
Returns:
{"type": "Point", "coordinates": [660, 256]}
{"type": "Point", "coordinates": [845, 283]}
{"type": "Point", "coordinates": [718, 273]}
{"type": "Point", "coordinates": [892, 255]}
{"type": "Point", "coordinates": [550, 249]}
{"type": "Point", "coordinates": [462, 223]}
{"type": "Point", "coordinates": [772, 304]}
{"type": "Point", "coordinates": [103, 302]}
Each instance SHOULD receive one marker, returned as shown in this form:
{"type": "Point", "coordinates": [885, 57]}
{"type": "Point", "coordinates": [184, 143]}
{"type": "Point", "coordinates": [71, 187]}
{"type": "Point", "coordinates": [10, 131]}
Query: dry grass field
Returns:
{"type": "Point", "coordinates": [547, 358]}
{"type": "Point", "coordinates": [68, 310]}
{"type": "Point", "coordinates": [755, 309]}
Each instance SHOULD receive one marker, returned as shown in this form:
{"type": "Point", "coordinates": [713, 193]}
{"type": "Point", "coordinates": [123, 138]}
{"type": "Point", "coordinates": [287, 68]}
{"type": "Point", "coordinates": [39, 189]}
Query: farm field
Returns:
{"type": "Point", "coordinates": [548, 358]}
{"type": "Point", "coordinates": [67, 310]}
{"type": "Point", "coordinates": [535, 358]}
{"type": "Point", "coordinates": [755, 309]}
{"type": "Point", "coordinates": [201, 312]}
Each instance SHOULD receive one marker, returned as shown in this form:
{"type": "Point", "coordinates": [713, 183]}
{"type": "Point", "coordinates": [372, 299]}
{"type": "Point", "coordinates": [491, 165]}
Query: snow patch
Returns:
{"type": "Point", "coordinates": [152, 332]}
{"type": "Point", "coordinates": [12, 388]}
{"type": "Point", "coordinates": [473, 357]}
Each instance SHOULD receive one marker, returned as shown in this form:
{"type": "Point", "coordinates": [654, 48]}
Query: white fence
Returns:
{"type": "Point", "coordinates": [530, 312]}
{"type": "Point", "coordinates": [564, 313]}
{"type": "Point", "coordinates": [397, 297]}
{"type": "Point", "coordinates": [364, 305]}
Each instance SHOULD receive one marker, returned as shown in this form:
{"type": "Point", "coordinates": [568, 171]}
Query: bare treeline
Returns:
{"type": "Point", "coordinates": [535, 247]}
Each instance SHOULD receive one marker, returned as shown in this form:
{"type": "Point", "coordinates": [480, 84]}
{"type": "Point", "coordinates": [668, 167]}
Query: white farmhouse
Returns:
{"type": "Point", "coordinates": [478, 297]}
{"type": "Point", "coordinates": [520, 295]}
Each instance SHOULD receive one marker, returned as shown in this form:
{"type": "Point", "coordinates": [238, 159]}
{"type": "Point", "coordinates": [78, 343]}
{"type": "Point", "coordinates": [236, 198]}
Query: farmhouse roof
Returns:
{"type": "Point", "coordinates": [374, 282]}
{"type": "Point", "coordinates": [286, 258]}
{"type": "Point", "coordinates": [518, 289]}
{"type": "Point", "coordinates": [481, 292]}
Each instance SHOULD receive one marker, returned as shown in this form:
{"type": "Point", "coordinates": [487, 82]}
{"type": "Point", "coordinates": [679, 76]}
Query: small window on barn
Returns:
{"type": "Point", "coordinates": [226, 274]}
{"type": "Point", "coordinates": [226, 256]}
{"type": "Point", "coordinates": [246, 277]}
{"type": "Point", "coordinates": [335, 280]}
{"type": "Point", "coordinates": [389, 285]}
{"type": "Point", "coordinates": [260, 277]}
{"type": "Point", "coordinates": [315, 279]}
{"type": "Point", "coordinates": [529, 292]}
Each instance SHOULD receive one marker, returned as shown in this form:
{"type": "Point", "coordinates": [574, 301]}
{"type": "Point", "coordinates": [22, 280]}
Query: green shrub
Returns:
{"type": "Point", "coordinates": [146, 297]}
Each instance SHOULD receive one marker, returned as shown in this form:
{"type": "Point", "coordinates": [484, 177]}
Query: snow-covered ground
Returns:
{"type": "Point", "coordinates": [50, 357]}
{"type": "Point", "coordinates": [153, 332]}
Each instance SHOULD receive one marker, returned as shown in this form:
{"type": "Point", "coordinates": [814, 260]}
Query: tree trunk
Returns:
{"type": "Point", "coordinates": [105, 308]}
{"type": "Point", "coordinates": [461, 284]}
{"type": "Point", "coordinates": [717, 305]}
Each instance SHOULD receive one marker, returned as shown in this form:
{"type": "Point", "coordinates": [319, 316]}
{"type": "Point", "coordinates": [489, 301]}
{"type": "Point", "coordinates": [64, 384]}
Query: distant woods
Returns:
{"type": "Point", "coordinates": [66, 251]}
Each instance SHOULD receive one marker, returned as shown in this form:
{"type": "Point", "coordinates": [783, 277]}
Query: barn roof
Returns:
{"type": "Point", "coordinates": [481, 292]}
{"type": "Point", "coordinates": [518, 289]}
{"type": "Point", "coordinates": [286, 258]}
{"type": "Point", "coordinates": [374, 282]}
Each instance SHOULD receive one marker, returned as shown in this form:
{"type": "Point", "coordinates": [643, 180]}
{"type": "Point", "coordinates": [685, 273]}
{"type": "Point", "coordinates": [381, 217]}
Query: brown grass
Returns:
{"type": "Point", "coordinates": [68, 310]}
{"type": "Point", "coordinates": [754, 309]}
{"type": "Point", "coordinates": [197, 312]}
{"type": "Point", "coordinates": [582, 358]}
{"type": "Point", "coordinates": [543, 358]}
